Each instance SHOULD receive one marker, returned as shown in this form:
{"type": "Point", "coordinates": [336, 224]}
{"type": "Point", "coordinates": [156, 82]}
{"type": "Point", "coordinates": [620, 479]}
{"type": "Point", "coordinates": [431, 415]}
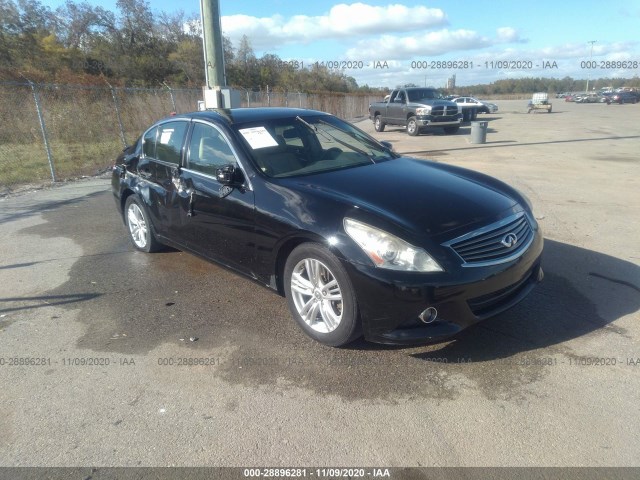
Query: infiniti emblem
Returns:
{"type": "Point", "coordinates": [509, 240]}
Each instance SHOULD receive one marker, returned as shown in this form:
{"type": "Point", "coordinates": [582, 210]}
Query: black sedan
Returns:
{"type": "Point", "coordinates": [360, 240]}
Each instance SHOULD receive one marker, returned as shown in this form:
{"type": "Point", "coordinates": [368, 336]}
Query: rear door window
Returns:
{"type": "Point", "coordinates": [169, 141]}
{"type": "Point", "coordinates": [149, 143]}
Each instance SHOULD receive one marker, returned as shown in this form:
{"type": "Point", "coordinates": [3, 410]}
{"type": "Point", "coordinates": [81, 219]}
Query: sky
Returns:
{"type": "Point", "coordinates": [387, 43]}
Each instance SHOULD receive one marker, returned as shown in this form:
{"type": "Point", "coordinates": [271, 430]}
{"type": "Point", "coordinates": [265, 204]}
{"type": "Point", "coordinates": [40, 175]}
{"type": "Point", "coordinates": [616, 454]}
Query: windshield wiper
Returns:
{"type": "Point", "coordinates": [315, 129]}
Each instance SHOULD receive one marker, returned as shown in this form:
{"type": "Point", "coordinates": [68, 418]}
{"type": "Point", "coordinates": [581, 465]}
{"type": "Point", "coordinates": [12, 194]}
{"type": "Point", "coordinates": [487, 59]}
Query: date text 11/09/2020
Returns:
{"type": "Point", "coordinates": [421, 64]}
{"type": "Point", "coordinates": [516, 64]}
{"type": "Point", "coordinates": [327, 472]}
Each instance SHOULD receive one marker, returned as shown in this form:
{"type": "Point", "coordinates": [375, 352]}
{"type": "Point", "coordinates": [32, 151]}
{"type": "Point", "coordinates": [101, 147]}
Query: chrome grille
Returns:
{"type": "Point", "coordinates": [443, 110]}
{"type": "Point", "coordinates": [499, 242]}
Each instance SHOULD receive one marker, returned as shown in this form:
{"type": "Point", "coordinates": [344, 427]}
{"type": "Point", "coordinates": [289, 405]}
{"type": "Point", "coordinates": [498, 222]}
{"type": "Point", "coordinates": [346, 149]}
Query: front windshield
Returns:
{"type": "Point", "coordinates": [423, 94]}
{"type": "Point", "coordinates": [304, 145]}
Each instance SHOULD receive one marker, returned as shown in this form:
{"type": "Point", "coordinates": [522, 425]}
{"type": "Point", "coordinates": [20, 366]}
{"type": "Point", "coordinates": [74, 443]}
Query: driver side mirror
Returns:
{"type": "Point", "coordinates": [387, 145]}
{"type": "Point", "coordinates": [227, 175]}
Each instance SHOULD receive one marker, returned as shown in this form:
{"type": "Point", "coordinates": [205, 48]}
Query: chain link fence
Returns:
{"type": "Point", "coordinates": [347, 106]}
{"type": "Point", "coordinates": [51, 133]}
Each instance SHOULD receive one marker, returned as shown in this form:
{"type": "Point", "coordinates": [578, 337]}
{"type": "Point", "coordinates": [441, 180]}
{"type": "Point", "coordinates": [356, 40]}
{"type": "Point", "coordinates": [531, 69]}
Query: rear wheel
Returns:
{"type": "Point", "coordinates": [450, 130]}
{"type": "Point", "coordinates": [139, 226]}
{"type": "Point", "coordinates": [412, 127]}
{"type": "Point", "coordinates": [378, 124]}
{"type": "Point", "coordinates": [320, 295]}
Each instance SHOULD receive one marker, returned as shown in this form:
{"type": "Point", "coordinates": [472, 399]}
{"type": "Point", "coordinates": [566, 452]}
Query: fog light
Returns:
{"type": "Point", "coordinates": [429, 315]}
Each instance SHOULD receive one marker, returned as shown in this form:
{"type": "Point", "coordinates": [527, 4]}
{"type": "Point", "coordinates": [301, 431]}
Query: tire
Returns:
{"type": "Point", "coordinates": [451, 130]}
{"type": "Point", "coordinates": [378, 124]}
{"type": "Point", "coordinates": [139, 226]}
{"type": "Point", "coordinates": [412, 127]}
{"type": "Point", "coordinates": [325, 308]}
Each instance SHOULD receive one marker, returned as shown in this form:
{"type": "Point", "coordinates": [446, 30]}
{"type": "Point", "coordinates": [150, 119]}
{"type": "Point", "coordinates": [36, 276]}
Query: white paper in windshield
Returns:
{"type": "Point", "coordinates": [258, 137]}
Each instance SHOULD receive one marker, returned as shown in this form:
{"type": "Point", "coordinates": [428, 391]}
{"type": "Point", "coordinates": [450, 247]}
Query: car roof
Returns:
{"type": "Point", "coordinates": [232, 116]}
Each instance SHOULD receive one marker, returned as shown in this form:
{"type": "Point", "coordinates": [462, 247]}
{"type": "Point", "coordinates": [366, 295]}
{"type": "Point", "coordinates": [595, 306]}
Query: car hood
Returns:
{"type": "Point", "coordinates": [417, 195]}
{"type": "Point", "coordinates": [432, 103]}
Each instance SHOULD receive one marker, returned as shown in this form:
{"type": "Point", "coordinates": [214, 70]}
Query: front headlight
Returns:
{"type": "Point", "coordinates": [423, 111]}
{"type": "Point", "coordinates": [388, 251]}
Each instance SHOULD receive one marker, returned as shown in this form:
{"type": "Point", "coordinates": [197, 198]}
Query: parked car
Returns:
{"type": "Point", "coordinates": [359, 239]}
{"type": "Point", "coordinates": [605, 97]}
{"type": "Point", "coordinates": [589, 98]}
{"type": "Point", "coordinates": [623, 97]}
{"type": "Point", "coordinates": [493, 108]}
{"type": "Point", "coordinates": [470, 102]}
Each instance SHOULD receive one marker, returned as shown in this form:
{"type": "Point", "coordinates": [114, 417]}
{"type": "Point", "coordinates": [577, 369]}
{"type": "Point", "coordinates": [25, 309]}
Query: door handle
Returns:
{"type": "Point", "coordinates": [192, 199]}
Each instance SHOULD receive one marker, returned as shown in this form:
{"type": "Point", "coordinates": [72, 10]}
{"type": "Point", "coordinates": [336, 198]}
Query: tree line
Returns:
{"type": "Point", "coordinates": [134, 46]}
{"type": "Point", "coordinates": [550, 85]}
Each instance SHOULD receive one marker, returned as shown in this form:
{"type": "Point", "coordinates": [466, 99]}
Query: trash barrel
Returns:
{"type": "Point", "coordinates": [479, 132]}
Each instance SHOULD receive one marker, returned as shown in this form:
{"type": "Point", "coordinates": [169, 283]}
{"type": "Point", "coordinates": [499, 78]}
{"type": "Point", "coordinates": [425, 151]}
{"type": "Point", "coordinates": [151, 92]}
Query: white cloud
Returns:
{"type": "Point", "coordinates": [568, 58]}
{"type": "Point", "coordinates": [428, 44]}
{"type": "Point", "coordinates": [342, 21]}
{"type": "Point", "coordinates": [508, 34]}
{"type": "Point", "coordinates": [578, 51]}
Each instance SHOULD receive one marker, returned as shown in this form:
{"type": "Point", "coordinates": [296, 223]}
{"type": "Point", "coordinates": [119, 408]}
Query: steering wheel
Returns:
{"type": "Point", "coordinates": [332, 153]}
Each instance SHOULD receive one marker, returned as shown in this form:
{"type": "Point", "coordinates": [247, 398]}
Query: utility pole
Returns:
{"type": "Point", "coordinates": [215, 93]}
{"type": "Point", "coordinates": [590, 55]}
{"type": "Point", "coordinates": [212, 42]}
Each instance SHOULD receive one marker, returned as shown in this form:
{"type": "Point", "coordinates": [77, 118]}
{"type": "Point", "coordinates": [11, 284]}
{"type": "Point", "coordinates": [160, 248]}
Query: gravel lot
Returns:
{"type": "Point", "coordinates": [553, 382]}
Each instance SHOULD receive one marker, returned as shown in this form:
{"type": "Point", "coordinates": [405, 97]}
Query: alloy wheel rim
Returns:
{"type": "Point", "coordinates": [137, 225]}
{"type": "Point", "coordinates": [316, 295]}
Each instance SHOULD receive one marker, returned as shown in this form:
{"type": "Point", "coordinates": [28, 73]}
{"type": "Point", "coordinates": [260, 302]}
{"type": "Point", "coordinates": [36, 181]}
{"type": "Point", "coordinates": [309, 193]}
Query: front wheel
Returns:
{"type": "Point", "coordinates": [378, 124]}
{"type": "Point", "coordinates": [139, 226]}
{"type": "Point", "coordinates": [412, 127]}
{"type": "Point", "coordinates": [320, 295]}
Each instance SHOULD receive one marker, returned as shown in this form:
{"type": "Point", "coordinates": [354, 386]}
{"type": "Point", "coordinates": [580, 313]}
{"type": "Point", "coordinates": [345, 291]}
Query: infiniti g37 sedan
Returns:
{"type": "Point", "coordinates": [360, 240]}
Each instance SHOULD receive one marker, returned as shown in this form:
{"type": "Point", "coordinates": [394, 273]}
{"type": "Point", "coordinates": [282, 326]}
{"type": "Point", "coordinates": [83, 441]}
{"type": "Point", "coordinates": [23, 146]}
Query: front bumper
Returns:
{"type": "Point", "coordinates": [390, 303]}
{"type": "Point", "coordinates": [436, 121]}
